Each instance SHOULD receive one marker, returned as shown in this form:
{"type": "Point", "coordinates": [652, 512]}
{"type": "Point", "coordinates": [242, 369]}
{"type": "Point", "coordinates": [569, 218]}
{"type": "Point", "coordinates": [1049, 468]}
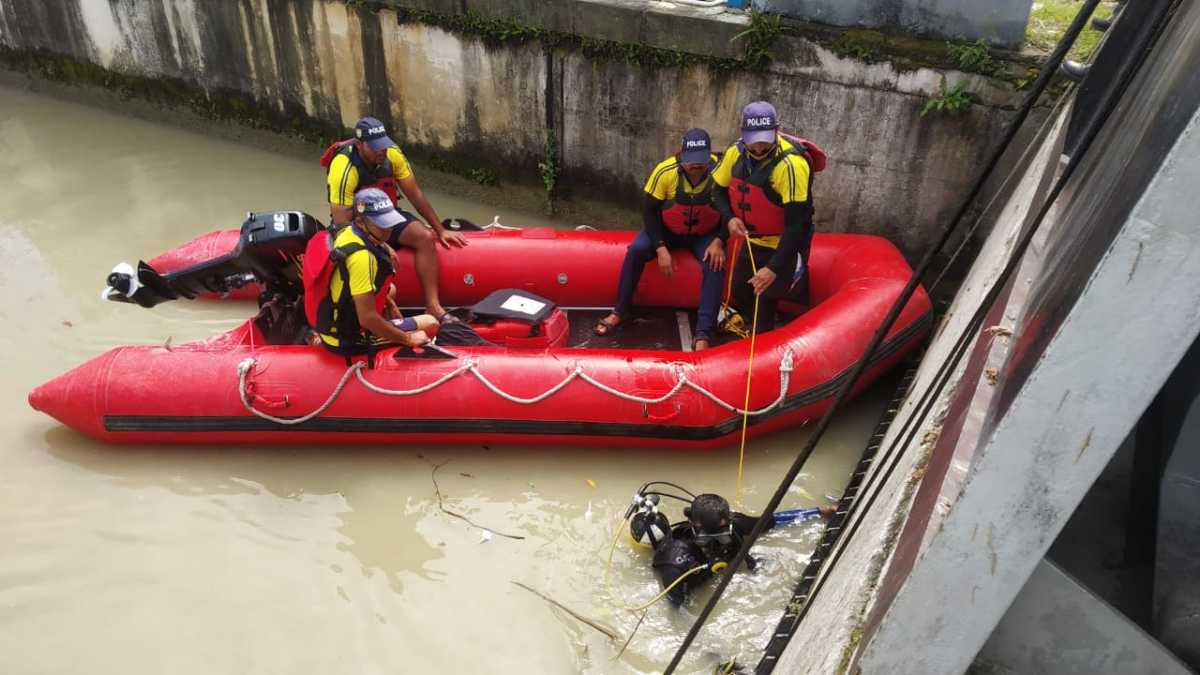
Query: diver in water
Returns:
{"type": "Point", "coordinates": [704, 543]}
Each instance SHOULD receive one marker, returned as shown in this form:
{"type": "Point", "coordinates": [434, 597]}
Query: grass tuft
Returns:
{"type": "Point", "coordinates": [1049, 19]}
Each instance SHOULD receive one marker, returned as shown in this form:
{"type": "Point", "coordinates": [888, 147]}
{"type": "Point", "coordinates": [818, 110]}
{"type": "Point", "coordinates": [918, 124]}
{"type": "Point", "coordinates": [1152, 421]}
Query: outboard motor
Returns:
{"type": "Point", "coordinates": [269, 250]}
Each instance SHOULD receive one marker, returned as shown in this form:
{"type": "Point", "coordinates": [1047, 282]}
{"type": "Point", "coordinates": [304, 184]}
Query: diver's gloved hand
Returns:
{"type": "Point", "coordinates": [751, 563]}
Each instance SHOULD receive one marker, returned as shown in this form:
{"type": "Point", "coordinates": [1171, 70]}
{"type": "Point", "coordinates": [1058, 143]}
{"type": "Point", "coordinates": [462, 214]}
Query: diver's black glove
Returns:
{"type": "Point", "coordinates": [751, 563]}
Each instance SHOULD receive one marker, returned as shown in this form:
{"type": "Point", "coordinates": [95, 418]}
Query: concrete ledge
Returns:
{"type": "Point", "coordinates": [1055, 626]}
{"type": "Point", "coordinates": [658, 25]}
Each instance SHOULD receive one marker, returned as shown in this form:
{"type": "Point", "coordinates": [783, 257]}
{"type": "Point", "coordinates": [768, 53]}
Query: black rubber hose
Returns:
{"type": "Point", "coordinates": [760, 525]}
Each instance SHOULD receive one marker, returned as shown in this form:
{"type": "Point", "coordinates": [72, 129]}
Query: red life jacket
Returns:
{"type": "Point", "coordinates": [751, 196]}
{"type": "Point", "coordinates": [320, 259]}
{"type": "Point", "coordinates": [690, 214]}
{"type": "Point", "coordinates": [815, 155]}
{"type": "Point", "coordinates": [381, 176]}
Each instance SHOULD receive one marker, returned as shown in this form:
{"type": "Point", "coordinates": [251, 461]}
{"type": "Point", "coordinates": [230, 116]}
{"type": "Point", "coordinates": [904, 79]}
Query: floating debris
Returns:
{"type": "Point", "coordinates": [437, 490]}
{"type": "Point", "coordinates": [612, 634]}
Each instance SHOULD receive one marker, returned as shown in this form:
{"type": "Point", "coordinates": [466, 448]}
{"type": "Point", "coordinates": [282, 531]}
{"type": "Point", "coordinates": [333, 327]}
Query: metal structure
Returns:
{"type": "Point", "coordinates": [1079, 322]}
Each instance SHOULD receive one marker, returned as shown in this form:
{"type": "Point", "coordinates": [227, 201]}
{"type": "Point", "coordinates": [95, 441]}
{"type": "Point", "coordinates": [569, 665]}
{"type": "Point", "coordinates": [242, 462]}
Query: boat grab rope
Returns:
{"type": "Point", "coordinates": [470, 365]}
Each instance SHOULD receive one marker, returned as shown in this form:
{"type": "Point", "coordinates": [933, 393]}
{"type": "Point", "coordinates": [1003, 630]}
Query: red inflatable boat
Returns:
{"type": "Point", "coordinates": [545, 382]}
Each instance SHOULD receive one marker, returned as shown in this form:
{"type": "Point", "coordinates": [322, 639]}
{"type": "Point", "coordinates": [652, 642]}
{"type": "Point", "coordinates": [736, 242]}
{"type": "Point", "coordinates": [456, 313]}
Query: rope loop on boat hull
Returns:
{"type": "Point", "coordinates": [471, 365]}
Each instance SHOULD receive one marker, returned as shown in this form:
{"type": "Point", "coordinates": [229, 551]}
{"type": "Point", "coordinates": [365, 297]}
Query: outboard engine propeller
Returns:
{"type": "Point", "coordinates": [144, 286]}
{"type": "Point", "coordinates": [122, 281]}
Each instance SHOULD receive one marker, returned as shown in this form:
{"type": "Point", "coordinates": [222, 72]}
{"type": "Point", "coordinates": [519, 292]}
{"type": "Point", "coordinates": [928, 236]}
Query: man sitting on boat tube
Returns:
{"type": "Point", "coordinates": [678, 213]}
{"type": "Point", "coordinates": [767, 198]}
{"type": "Point", "coordinates": [348, 277]}
{"type": "Point", "coordinates": [372, 160]}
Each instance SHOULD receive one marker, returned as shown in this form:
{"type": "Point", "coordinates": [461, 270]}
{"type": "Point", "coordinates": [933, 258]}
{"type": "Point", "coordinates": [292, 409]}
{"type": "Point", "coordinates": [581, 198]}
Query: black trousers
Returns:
{"type": "Point", "coordinates": [742, 293]}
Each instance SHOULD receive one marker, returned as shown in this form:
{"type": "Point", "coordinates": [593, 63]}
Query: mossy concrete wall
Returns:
{"type": "Point", "coordinates": [488, 101]}
{"type": "Point", "coordinates": [1000, 22]}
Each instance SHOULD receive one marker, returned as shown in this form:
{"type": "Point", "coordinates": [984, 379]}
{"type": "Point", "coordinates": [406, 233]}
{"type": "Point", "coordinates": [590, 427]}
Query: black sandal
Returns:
{"type": "Point", "coordinates": [604, 327]}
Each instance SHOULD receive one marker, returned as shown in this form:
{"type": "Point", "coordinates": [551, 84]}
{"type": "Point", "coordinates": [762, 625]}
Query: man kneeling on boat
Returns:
{"type": "Point", "coordinates": [348, 282]}
{"type": "Point", "coordinates": [678, 213]}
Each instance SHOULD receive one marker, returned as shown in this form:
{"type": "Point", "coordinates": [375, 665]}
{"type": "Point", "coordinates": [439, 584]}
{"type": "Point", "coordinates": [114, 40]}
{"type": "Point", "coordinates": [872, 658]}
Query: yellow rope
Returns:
{"type": "Point", "coordinates": [741, 456]}
{"type": "Point", "coordinates": [666, 590]}
{"type": "Point", "coordinates": [749, 374]}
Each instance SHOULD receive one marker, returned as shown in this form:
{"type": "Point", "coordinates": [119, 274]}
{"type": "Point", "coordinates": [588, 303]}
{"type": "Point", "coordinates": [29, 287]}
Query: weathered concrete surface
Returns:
{"type": "Point", "coordinates": [1177, 565]}
{"type": "Point", "coordinates": [891, 172]}
{"type": "Point", "coordinates": [1115, 263]}
{"type": "Point", "coordinates": [1056, 626]}
{"type": "Point", "coordinates": [1000, 22]}
{"type": "Point", "coordinates": [830, 633]}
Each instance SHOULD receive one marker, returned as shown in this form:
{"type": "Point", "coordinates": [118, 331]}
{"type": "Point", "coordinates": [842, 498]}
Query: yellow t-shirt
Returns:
{"type": "Point", "coordinates": [789, 178]}
{"type": "Point", "coordinates": [664, 180]}
{"type": "Point", "coordinates": [362, 267]}
{"type": "Point", "coordinates": [343, 175]}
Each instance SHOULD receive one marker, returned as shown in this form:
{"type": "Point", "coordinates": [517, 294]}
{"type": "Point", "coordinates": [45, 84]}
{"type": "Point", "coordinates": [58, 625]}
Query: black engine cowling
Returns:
{"type": "Point", "coordinates": [270, 251]}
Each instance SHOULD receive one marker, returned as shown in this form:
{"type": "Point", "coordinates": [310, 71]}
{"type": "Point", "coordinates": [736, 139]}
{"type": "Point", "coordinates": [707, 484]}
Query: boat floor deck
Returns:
{"type": "Point", "coordinates": [646, 328]}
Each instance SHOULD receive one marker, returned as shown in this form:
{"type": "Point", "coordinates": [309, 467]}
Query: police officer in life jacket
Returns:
{"type": "Point", "coordinates": [372, 160]}
{"type": "Point", "coordinates": [767, 199]}
{"type": "Point", "coordinates": [348, 282]}
{"type": "Point", "coordinates": [678, 213]}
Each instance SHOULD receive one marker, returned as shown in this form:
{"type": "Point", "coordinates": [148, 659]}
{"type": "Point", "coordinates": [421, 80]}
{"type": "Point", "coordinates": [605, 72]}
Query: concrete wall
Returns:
{"type": "Point", "coordinates": [892, 172]}
{"type": "Point", "coordinates": [1000, 22]}
{"type": "Point", "coordinates": [854, 590]}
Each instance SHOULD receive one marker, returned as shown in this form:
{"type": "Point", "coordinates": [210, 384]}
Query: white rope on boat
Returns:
{"type": "Point", "coordinates": [419, 390]}
{"type": "Point", "coordinates": [497, 225]}
{"type": "Point", "coordinates": [247, 365]}
{"type": "Point", "coordinates": [525, 401]}
{"type": "Point", "coordinates": [471, 365]}
{"type": "Point", "coordinates": [633, 397]}
{"type": "Point", "coordinates": [785, 374]}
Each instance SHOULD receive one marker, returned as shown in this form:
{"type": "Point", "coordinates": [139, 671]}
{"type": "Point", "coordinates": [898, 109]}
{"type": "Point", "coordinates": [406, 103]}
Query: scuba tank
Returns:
{"type": "Point", "coordinates": [648, 526]}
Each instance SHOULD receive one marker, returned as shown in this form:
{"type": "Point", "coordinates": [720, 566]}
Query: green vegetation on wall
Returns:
{"type": "Point", "coordinates": [496, 32]}
{"type": "Point", "coordinates": [1049, 20]}
{"type": "Point", "coordinates": [225, 105]}
{"type": "Point", "coordinates": [548, 168]}
{"type": "Point", "coordinates": [221, 105]}
{"type": "Point", "coordinates": [758, 39]}
{"type": "Point", "coordinates": [949, 101]}
{"type": "Point", "coordinates": [757, 42]}
{"type": "Point", "coordinates": [975, 58]}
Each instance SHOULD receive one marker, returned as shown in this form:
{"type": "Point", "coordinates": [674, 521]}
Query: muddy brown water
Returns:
{"type": "Point", "coordinates": [306, 559]}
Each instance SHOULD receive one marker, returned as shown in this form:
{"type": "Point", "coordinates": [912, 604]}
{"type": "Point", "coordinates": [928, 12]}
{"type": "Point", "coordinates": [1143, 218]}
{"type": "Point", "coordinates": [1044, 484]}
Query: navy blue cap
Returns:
{"type": "Point", "coordinates": [759, 123]}
{"type": "Point", "coordinates": [377, 206]}
{"type": "Point", "coordinates": [696, 148]}
{"type": "Point", "coordinates": [372, 132]}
